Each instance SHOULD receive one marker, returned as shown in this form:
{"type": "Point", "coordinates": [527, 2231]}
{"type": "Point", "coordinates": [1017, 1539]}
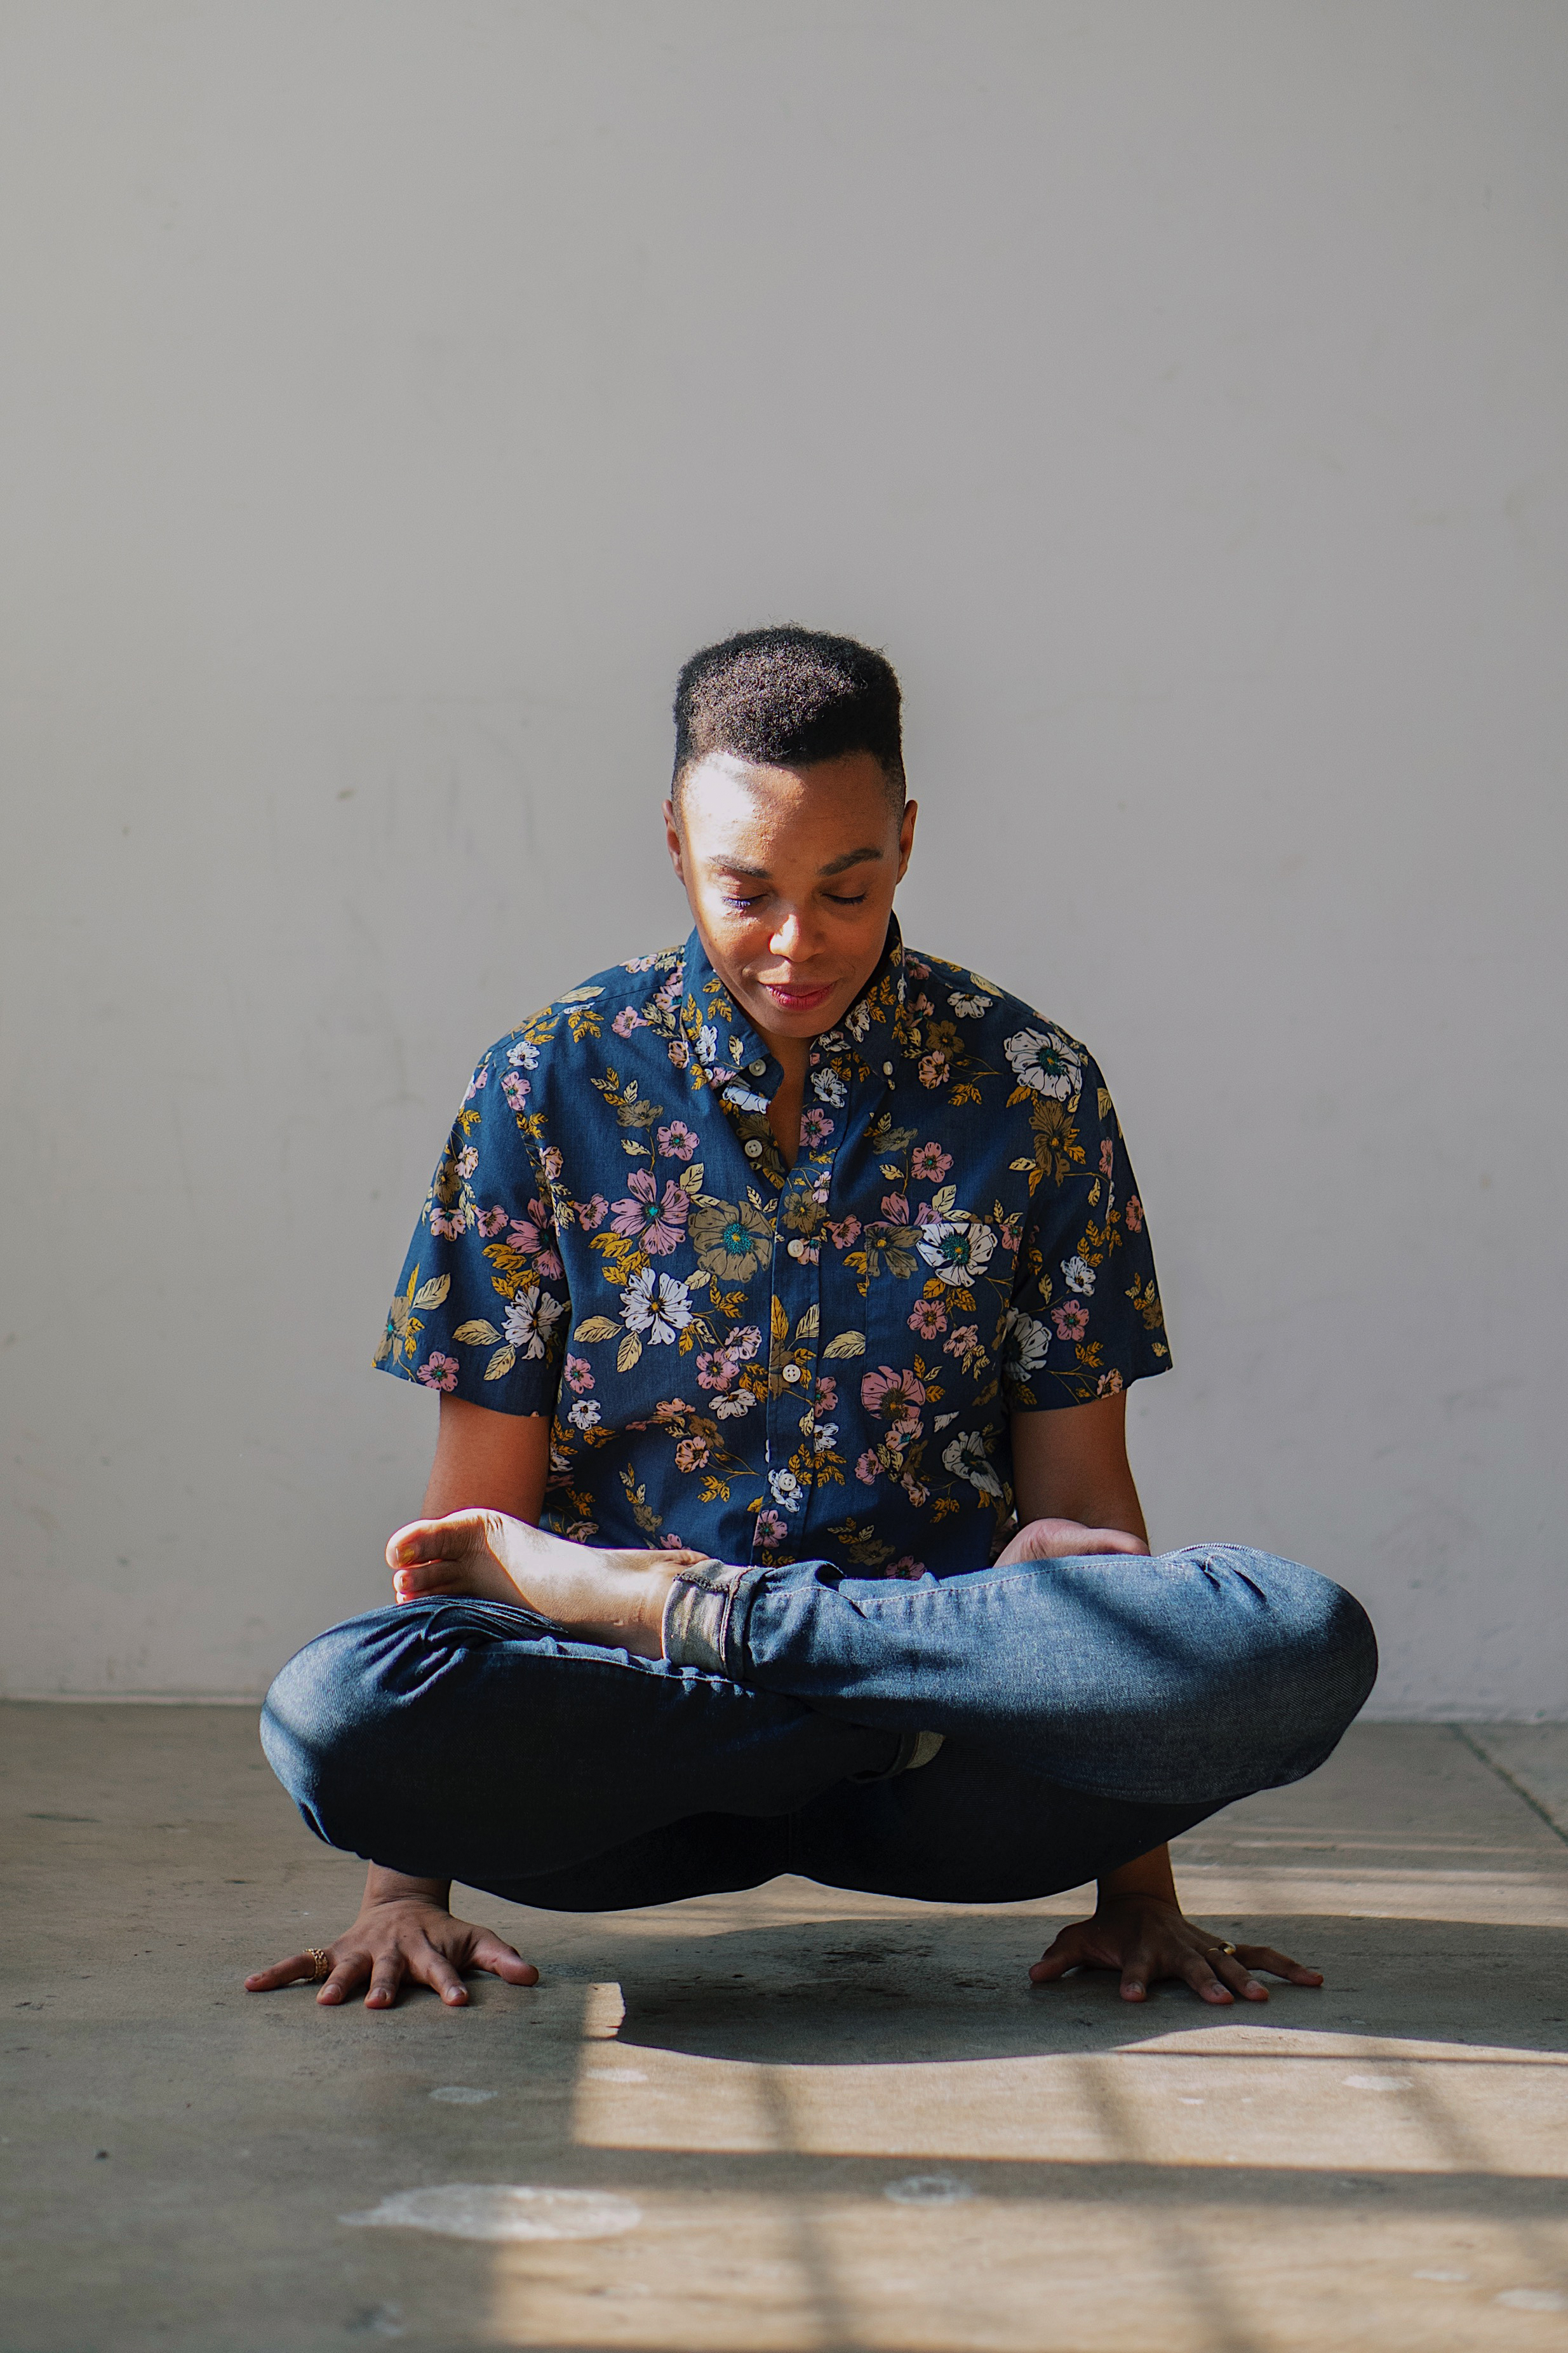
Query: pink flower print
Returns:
{"type": "Point", "coordinates": [677, 1142]}
{"type": "Point", "coordinates": [490, 1222]}
{"type": "Point", "coordinates": [1011, 1231]}
{"type": "Point", "coordinates": [930, 1163]}
{"type": "Point", "coordinates": [815, 1127]}
{"type": "Point", "coordinates": [934, 1069]}
{"type": "Point", "coordinates": [897, 1397]}
{"type": "Point", "coordinates": [962, 1340]}
{"type": "Point", "coordinates": [915, 969]}
{"type": "Point", "coordinates": [442, 1224]}
{"type": "Point", "coordinates": [627, 1020]}
{"type": "Point", "coordinates": [906, 1567]}
{"type": "Point", "coordinates": [671, 1409]}
{"type": "Point", "coordinates": [528, 1234]}
{"type": "Point", "coordinates": [516, 1089]}
{"type": "Point", "coordinates": [826, 1394]}
{"type": "Point", "coordinates": [846, 1232]}
{"type": "Point", "coordinates": [715, 1369]}
{"type": "Point", "coordinates": [656, 1225]}
{"type": "Point", "coordinates": [438, 1372]}
{"type": "Point", "coordinates": [771, 1529]}
{"type": "Point", "coordinates": [896, 1209]}
{"type": "Point", "coordinates": [579, 1374]}
{"type": "Point", "coordinates": [1109, 1384]}
{"type": "Point", "coordinates": [553, 1163]}
{"type": "Point", "coordinates": [807, 1252]}
{"type": "Point", "coordinates": [1071, 1320]}
{"type": "Point", "coordinates": [672, 1543]}
{"type": "Point", "coordinates": [549, 1263]}
{"type": "Point", "coordinates": [866, 1469]}
{"type": "Point", "coordinates": [922, 1005]}
{"type": "Point", "coordinates": [1134, 1216]}
{"type": "Point", "coordinates": [680, 1052]}
{"type": "Point", "coordinates": [467, 1161]}
{"type": "Point", "coordinates": [592, 1212]}
{"type": "Point", "coordinates": [915, 1492]}
{"type": "Point", "coordinates": [744, 1344]}
{"type": "Point", "coordinates": [928, 1318]}
{"type": "Point", "coordinates": [691, 1454]}
{"type": "Point", "coordinates": [1107, 1156]}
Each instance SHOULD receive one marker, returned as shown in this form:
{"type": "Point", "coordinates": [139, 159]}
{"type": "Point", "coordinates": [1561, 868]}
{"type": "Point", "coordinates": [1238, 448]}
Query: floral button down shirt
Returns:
{"type": "Point", "coordinates": [771, 1364]}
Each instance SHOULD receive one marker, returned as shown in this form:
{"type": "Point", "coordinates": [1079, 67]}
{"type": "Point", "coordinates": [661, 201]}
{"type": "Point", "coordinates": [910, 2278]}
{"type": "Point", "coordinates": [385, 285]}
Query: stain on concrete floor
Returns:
{"type": "Point", "coordinates": [788, 2119]}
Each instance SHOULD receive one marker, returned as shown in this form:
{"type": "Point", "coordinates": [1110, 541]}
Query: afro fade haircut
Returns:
{"type": "Point", "coordinates": [788, 697]}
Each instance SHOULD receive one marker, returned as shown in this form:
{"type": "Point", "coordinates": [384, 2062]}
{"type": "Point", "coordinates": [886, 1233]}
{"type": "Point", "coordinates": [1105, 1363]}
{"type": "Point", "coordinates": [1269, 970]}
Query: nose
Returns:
{"type": "Point", "coordinates": [793, 938]}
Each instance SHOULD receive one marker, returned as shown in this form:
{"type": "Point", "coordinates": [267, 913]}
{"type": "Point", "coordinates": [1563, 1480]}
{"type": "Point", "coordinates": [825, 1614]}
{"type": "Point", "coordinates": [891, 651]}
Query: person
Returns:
{"type": "Point", "coordinates": [781, 1292]}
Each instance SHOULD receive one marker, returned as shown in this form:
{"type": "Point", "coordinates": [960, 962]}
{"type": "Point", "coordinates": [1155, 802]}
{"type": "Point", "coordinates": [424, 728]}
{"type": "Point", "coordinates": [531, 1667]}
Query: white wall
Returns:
{"type": "Point", "coordinates": [395, 394]}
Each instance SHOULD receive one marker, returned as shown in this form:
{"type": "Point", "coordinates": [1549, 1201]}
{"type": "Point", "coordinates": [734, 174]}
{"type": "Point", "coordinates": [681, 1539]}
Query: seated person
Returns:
{"type": "Point", "coordinates": [780, 1292]}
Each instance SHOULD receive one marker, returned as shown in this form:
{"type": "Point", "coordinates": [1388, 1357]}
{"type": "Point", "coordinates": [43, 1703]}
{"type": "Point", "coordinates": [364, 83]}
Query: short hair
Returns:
{"type": "Point", "coordinates": [789, 697]}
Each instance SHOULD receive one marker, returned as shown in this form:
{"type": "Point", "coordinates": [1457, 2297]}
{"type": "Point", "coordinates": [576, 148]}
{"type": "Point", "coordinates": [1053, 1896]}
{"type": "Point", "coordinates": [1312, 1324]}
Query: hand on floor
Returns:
{"type": "Point", "coordinates": [408, 1937]}
{"type": "Point", "coordinates": [1147, 1939]}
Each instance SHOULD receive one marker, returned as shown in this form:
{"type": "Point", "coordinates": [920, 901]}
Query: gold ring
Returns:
{"type": "Point", "coordinates": [321, 1963]}
{"type": "Point", "coordinates": [1224, 1948]}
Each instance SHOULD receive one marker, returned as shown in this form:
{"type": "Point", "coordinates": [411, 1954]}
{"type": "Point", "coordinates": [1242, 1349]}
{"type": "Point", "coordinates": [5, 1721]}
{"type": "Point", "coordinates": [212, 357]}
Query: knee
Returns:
{"type": "Point", "coordinates": [1317, 1661]}
{"type": "Point", "coordinates": [324, 1720]}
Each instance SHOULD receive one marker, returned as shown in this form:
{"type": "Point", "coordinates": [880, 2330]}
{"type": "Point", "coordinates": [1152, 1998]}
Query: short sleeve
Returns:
{"type": "Point", "coordinates": [1085, 1318]}
{"type": "Point", "coordinates": [482, 1309]}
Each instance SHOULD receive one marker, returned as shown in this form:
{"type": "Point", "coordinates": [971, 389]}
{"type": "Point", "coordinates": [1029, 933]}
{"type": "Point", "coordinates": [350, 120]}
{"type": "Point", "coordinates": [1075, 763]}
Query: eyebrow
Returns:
{"type": "Point", "coordinates": [761, 874]}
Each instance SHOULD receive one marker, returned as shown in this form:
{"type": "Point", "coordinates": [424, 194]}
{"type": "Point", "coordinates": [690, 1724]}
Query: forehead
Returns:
{"type": "Point", "coordinates": [766, 815]}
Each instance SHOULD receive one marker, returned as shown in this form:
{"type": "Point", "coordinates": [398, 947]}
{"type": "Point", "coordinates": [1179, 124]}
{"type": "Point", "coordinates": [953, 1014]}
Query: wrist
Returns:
{"type": "Point", "coordinates": [386, 1886]}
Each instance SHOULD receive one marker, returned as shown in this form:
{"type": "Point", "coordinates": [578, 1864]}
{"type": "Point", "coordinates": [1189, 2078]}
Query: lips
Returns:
{"type": "Point", "coordinates": [798, 1001]}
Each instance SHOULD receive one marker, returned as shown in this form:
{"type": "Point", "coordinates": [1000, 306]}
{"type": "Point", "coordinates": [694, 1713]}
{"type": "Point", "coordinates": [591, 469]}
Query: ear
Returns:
{"type": "Point", "coordinates": [672, 841]}
{"type": "Point", "coordinates": [906, 840]}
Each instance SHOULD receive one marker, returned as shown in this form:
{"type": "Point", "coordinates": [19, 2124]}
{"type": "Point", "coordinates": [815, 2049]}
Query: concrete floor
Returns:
{"type": "Point", "coordinates": [790, 2119]}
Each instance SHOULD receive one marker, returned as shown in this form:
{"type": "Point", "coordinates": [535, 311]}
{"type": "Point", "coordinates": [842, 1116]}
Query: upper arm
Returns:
{"type": "Point", "coordinates": [1072, 1465]}
{"type": "Point", "coordinates": [488, 1461]}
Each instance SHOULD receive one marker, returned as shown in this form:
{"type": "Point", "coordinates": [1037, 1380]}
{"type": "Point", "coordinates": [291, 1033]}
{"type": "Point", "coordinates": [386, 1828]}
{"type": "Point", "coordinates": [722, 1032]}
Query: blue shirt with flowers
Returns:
{"type": "Point", "coordinates": [771, 1364]}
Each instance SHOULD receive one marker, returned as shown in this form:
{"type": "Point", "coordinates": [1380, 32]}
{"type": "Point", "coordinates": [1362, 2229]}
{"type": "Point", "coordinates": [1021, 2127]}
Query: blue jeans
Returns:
{"type": "Point", "coordinates": [1090, 1709]}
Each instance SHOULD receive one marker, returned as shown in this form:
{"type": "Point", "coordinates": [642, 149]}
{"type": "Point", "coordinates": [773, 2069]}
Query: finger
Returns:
{"type": "Point", "coordinates": [501, 1960]}
{"type": "Point", "coordinates": [1137, 1971]}
{"type": "Point", "coordinates": [429, 1967]}
{"type": "Point", "coordinates": [281, 1973]}
{"type": "Point", "coordinates": [384, 1980]}
{"type": "Point", "coordinates": [1279, 1965]}
{"type": "Point", "coordinates": [347, 1970]}
{"type": "Point", "coordinates": [1201, 1977]}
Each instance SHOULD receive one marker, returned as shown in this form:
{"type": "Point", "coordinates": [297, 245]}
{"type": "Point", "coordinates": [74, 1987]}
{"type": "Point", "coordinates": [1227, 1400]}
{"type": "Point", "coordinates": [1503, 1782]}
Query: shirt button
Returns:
{"type": "Point", "coordinates": [886, 1070]}
{"type": "Point", "coordinates": [792, 1372]}
{"type": "Point", "coordinates": [758, 1070]}
{"type": "Point", "coordinates": [754, 1149]}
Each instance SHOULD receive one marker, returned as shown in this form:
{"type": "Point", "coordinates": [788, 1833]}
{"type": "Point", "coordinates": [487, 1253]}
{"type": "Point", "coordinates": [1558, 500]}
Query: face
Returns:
{"type": "Point", "coordinates": [790, 873]}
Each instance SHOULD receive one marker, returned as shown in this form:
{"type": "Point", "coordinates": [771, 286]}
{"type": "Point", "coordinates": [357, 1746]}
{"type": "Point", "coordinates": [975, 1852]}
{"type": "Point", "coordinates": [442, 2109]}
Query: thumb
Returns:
{"type": "Point", "coordinates": [503, 1961]}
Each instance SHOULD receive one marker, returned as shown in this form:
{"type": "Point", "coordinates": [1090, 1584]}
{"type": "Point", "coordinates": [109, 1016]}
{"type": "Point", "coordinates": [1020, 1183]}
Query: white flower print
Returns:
{"type": "Point", "coordinates": [786, 1490]}
{"type": "Point", "coordinates": [742, 1098]}
{"type": "Point", "coordinates": [1025, 1345]}
{"type": "Point", "coordinates": [732, 1403]}
{"type": "Point", "coordinates": [523, 1055]}
{"type": "Point", "coordinates": [968, 1008]}
{"type": "Point", "coordinates": [707, 1044]}
{"type": "Point", "coordinates": [656, 1304]}
{"type": "Point", "coordinates": [1045, 1061]}
{"type": "Point", "coordinates": [958, 1247]}
{"type": "Point", "coordinates": [858, 1021]}
{"type": "Point", "coordinates": [966, 1457]}
{"type": "Point", "coordinates": [824, 1434]}
{"type": "Point", "coordinates": [530, 1319]}
{"type": "Point", "coordinates": [1077, 1276]}
{"type": "Point", "coordinates": [828, 1089]}
{"type": "Point", "coordinates": [585, 1413]}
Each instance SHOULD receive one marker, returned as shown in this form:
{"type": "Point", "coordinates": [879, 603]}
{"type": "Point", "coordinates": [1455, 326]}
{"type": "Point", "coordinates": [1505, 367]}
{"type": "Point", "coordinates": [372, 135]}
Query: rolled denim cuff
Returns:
{"type": "Point", "coordinates": [697, 1616]}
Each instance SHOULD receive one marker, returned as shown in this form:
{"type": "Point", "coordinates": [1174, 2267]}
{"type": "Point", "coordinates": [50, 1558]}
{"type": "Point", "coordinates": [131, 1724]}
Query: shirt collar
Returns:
{"type": "Point", "coordinates": [735, 1056]}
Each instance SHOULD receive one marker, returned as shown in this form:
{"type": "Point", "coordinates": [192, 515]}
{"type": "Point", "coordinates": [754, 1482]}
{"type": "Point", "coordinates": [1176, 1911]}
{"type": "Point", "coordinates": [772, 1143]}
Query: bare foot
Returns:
{"type": "Point", "coordinates": [1067, 1540]}
{"type": "Point", "coordinates": [614, 1597]}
